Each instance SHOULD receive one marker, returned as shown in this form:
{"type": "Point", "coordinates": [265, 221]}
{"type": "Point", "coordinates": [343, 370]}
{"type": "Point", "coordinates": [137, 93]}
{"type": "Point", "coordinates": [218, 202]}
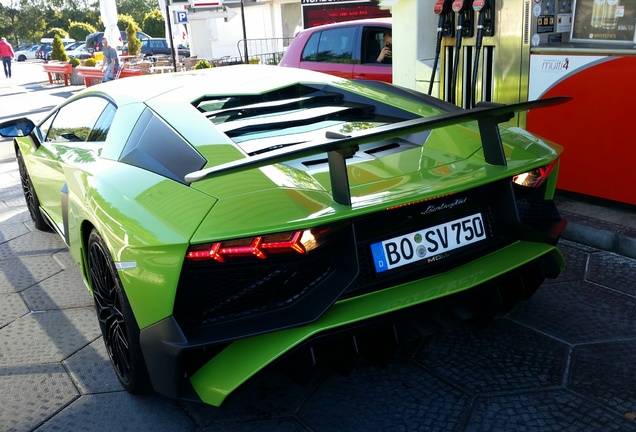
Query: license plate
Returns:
{"type": "Point", "coordinates": [427, 243]}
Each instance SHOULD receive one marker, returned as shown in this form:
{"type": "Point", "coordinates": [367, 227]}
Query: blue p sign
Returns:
{"type": "Point", "coordinates": [182, 17]}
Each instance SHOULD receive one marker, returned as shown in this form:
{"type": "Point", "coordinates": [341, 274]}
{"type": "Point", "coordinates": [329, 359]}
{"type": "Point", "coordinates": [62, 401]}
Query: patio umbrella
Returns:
{"type": "Point", "coordinates": [108, 10]}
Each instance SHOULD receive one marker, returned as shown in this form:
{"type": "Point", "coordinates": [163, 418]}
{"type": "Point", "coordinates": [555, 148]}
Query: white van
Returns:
{"type": "Point", "coordinates": [65, 41]}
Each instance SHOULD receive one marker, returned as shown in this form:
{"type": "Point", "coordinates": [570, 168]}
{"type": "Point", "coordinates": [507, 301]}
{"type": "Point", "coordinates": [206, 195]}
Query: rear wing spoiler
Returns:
{"type": "Point", "coordinates": [338, 147]}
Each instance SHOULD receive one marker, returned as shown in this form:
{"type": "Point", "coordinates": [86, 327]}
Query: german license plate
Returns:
{"type": "Point", "coordinates": [427, 243]}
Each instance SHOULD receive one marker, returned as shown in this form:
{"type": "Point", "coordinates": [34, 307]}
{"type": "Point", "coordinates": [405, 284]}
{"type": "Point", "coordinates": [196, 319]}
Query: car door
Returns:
{"type": "Point", "coordinates": [64, 138]}
{"type": "Point", "coordinates": [159, 46]}
{"type": "Point", "coordinates": [331, 51]}
{"type": "Point", "coordinates": [371, 42]}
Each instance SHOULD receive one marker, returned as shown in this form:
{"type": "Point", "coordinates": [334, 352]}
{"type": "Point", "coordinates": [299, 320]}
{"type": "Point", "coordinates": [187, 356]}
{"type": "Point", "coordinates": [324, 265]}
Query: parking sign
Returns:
{"type": "Point", "coordinates": [182, 17]}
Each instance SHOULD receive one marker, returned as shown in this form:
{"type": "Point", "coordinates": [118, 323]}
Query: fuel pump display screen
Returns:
{"type": "Point", "coordinates": [604, 21]}
{"type": "Point", "coordinates": [319, 14]}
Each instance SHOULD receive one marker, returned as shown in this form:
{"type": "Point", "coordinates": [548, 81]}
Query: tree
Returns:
{"type": "Point", "coordinates": [137, 9]}
{"type": "Point", "coordinates": [124, 21]}
{"type": "Point", "coordinates": [154, 24]}
{"type": "Point", "coordinates": [58, 52]}
{"type": "Point", "coordinates": [79, 30]}
{"type": "Point", "coordinates": [29, 20]}
{"type": "Point", "coordinates": [30, 24]}
{"type": "Point", "coordinates": [56, 32]}
{"type": "Point", "coordinates": [8, 23]}
{"type": "Point", "coordinates": [134, 44]}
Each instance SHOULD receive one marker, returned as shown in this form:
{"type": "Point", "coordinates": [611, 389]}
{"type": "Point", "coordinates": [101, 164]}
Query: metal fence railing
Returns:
{"type": "Point", "coordinates": [264, 51]}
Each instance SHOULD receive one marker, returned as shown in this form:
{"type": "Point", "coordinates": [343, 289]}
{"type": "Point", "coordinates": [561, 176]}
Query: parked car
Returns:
{"type": "Point", "coordinates": [347, 49]}
{"type": "Point", "coordinates": [158, 46]}
{"type": "Point", "coordinates": [79, 51]}
{"type": "Point", "coordinates": [94, 40]}
{"type": "Point", "coordinates": [226, 218]}
{"type": "Point", "coordinates": [44, 51]}
{"type": "Point", "coordinates": [73, 45]}
{"type": "Point", "coordinates": [29, 53]}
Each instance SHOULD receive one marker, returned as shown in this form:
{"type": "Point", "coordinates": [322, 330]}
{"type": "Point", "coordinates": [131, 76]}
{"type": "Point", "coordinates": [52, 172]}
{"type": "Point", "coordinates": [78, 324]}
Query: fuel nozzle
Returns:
{"type": "Point", "coordinates": [446, 23]}
{"type": "Point", "coordinates": [464, 12]}
{"type": "Point", "coordinates": [464, 20]}
{"type": "Point", "coordinates": [478, 5]}
{"type": "Point", "coordinates": [445, 28]}
{"type": "Point", "coordinates": [485, 27]}
{"type": "Point", "coordinates": [485, 22]}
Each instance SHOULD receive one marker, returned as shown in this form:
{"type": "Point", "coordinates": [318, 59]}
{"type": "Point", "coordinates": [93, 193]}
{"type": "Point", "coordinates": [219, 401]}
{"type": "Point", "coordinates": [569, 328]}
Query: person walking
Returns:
{"type": "Point", "coordinates": [6, 53]}
{"type": "Point", "coordinates": [111, 61]}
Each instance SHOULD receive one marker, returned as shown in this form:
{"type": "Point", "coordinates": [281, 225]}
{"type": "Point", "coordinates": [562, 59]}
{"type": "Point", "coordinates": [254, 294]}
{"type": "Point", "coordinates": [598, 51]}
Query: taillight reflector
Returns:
{"type": "Point", "coordinates": [260, 247]}
{"type": "Point", "coordinates": [536, 177]}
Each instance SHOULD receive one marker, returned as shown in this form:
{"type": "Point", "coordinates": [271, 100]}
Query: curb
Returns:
{"type": "Point", "coordinates": [600, 234]}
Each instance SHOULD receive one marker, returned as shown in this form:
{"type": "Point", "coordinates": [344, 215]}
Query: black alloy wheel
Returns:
{"type": "Point", "coordinates": [32, 201]}
{"type": "Point", "coordinates": [116, 320]}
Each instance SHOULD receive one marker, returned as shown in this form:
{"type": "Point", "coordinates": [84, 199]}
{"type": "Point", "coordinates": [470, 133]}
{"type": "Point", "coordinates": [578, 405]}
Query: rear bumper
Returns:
{"type": "Point", "coordinates": [518, 269]}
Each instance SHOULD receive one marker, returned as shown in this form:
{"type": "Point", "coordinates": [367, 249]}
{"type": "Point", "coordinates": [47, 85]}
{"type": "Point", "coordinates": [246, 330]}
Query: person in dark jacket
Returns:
{"type": "Point", "coordinates": [7, 54]}
{"type": "Point", "coordinates": [386, 53]}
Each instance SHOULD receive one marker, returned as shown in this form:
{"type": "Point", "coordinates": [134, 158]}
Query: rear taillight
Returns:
{"type": "Point", "coordinates": [536, 177]}
{"type": "Point", "coordinates": [261, 247]}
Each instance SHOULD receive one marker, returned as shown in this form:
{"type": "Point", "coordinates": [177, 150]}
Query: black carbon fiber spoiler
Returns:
{"type": "Point", "coordinates": [338, 147]}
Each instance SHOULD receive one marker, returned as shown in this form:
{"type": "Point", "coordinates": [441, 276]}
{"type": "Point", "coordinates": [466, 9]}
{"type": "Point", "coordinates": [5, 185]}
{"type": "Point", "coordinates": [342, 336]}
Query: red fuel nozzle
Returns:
{"type": "Point", "coordinates": [439, 7]}
{"type": "Point", "coordinates": [478, 5]}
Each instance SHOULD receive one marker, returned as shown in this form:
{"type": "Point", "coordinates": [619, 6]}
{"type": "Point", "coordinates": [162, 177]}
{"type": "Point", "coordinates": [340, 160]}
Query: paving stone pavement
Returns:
{"type": "Point", "coordinates": [565, 360]}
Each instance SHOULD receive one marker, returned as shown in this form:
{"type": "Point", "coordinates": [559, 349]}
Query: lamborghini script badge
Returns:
{"type": "Point", "coordinates": [444, 206]}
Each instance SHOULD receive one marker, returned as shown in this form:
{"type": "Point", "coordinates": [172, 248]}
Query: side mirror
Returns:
{"type": "Point", "coordinates": [16, 128]}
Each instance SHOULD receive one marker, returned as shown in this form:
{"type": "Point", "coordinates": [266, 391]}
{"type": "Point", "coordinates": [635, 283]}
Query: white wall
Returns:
{"type": "Point", "coordinates": [215, 38]}
{"type": "Point", "coordinates": [414, 36]}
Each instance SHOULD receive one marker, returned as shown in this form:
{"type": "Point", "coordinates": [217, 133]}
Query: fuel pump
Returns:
{"type": "Point", "coordinates": [445, 28]}
{"type": "Point", "coordinates": [485, 27]}
{"type": "Point", "coordinates": [464, 14]}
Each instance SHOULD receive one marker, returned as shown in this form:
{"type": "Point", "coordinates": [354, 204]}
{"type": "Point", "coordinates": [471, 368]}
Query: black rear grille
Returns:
{"type": "Point", "coordinates": [223, 301]}
{"type": "Point", "coordinates": [531, 203]}
{"type": "Point", "coordinates": [213, 292]}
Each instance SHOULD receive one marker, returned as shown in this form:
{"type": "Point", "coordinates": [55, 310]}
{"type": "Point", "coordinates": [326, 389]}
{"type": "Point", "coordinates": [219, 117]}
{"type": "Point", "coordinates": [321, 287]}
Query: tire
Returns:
{"type": "Point", "coordinates": [21, 58]}
{"type": "Point", "coordinates": [116, 320]}
{"type": "Point", "coordinates": [31, 198]}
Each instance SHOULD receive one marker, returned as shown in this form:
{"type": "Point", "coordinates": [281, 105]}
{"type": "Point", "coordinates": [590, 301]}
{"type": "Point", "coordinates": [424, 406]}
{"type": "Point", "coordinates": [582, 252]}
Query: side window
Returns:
{"type": "Point", "coordinates": [372, 43]}
{"type": "Point", "coordinates": [336, 46]}
{"type": "Point", "coordinates": [155, 146]}
{"type": "Point", "coordinates": [86, 119]}
{"type": "Point", "coordinates": [101, 128]}
{"type": "Point", "coordinates": [310, 53]}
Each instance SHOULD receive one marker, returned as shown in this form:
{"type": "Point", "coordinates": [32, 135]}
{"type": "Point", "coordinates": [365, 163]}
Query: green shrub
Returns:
{"type": "Point", "coordinates": [154, 24]}
{"type": "Point", "coordinates": [124, 21]}
{"type": "Point", "coordinates": [58, 52]}
{"type": "Point", "coordinates": [56, 31]}
{"type": "Point", "coordinates": [74, 62]}
{"type": "Point", "coordinates": [90, 62]}
{"type": "Point", "coordinates": [134, 44]}
{"type": "Point", "coordinates": [203, 64]}
{"type": "Point", "coordinates": [79, 30]}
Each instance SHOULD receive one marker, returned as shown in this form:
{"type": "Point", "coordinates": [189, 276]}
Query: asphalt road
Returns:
{"type": "Point", "coordinates": [565, 360]}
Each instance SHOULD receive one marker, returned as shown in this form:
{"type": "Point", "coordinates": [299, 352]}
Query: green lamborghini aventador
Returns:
{"type": "Point", "coordinates": [231, 218]}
